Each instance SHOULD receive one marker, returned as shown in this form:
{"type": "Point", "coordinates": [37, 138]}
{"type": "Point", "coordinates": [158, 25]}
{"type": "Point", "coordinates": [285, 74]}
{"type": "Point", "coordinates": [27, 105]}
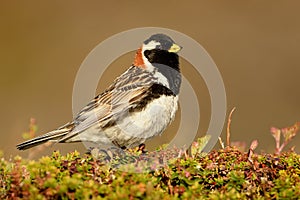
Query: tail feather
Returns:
{"type": "Point", "coordinates": [55, 135]}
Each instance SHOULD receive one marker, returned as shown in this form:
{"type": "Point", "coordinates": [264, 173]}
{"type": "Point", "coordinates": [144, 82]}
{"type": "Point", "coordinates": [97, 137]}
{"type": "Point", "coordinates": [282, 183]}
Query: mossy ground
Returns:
{"type": "Point", "coordinates": [168, 173]}
{"type": "Point", "coordinates": [223, 174]}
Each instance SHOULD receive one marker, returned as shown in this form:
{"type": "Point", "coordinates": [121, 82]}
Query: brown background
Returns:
{"type": "Point", "coordinates": [255, 45]}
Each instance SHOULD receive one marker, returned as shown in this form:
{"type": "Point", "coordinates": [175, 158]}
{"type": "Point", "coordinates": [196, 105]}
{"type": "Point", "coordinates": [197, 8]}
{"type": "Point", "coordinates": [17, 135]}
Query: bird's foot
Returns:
{"type": "Point", "coordinates": [118, 156]}
{"type": "Point", "coordinates": [105, 154]}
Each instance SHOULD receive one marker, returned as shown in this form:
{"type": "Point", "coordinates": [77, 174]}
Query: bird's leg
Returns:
{"type": "Point", "coordinates": [107, 154]}
{"type": "Point", "coordinates": [98, 153]}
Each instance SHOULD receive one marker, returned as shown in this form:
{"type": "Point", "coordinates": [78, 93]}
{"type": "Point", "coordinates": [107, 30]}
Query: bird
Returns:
{"type": "Point", "coordinates": [137, 106]}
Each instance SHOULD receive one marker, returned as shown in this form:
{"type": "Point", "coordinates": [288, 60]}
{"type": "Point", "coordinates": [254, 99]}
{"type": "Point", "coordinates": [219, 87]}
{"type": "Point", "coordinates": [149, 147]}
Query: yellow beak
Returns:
{"type": "Point", "coordinates": [175, 48]}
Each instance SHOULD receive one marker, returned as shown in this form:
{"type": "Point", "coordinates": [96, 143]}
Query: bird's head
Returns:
{"type": "Point", "coordinates": [159, 48]}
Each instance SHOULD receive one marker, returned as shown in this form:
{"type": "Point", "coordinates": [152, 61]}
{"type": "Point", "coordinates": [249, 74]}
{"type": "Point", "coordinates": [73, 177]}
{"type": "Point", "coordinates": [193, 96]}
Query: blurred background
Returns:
{"type": "Point", "coordinates": [255, 45]}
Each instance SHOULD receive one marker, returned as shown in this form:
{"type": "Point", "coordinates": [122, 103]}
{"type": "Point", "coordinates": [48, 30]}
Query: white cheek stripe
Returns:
{"type": "Point", "coordinates": [148, 65]}
{"type": "Point", "coordinates": [161, 78]}
{"type": "Point", "coordinates": [151, 45]}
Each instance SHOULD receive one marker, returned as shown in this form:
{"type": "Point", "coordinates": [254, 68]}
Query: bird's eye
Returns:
{"type": "Point", "coordinates": [158, 46]}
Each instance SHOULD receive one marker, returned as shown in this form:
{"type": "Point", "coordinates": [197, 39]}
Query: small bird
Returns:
{"type": "Point", "coordinates": [138, 105]}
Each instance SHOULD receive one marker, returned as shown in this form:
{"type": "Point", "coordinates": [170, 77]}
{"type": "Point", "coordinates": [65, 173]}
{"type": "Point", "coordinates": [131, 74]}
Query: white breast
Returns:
{"type": "Point", "coordinates": [153, 120]}
{"type": "Point", "coordinates": [135, 127]}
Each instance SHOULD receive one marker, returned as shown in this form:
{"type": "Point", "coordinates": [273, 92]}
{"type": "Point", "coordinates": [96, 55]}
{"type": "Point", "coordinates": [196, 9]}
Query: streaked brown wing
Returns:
{"type": "Point", "coordinates": [117, 99]}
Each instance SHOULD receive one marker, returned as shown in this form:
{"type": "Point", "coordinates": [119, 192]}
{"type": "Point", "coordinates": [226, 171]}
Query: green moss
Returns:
{"type": "Point", "coordinates": [221, 174]}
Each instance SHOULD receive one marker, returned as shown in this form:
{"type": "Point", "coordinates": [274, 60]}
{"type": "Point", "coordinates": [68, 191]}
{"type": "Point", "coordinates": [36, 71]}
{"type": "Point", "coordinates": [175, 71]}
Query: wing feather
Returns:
{"type": "Point", "coordinates": [119, 98]}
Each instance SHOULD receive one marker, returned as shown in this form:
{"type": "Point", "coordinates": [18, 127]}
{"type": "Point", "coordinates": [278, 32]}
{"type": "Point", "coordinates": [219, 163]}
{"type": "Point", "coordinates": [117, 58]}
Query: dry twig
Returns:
{"type": "Point", "coordinates": [228, 127]}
